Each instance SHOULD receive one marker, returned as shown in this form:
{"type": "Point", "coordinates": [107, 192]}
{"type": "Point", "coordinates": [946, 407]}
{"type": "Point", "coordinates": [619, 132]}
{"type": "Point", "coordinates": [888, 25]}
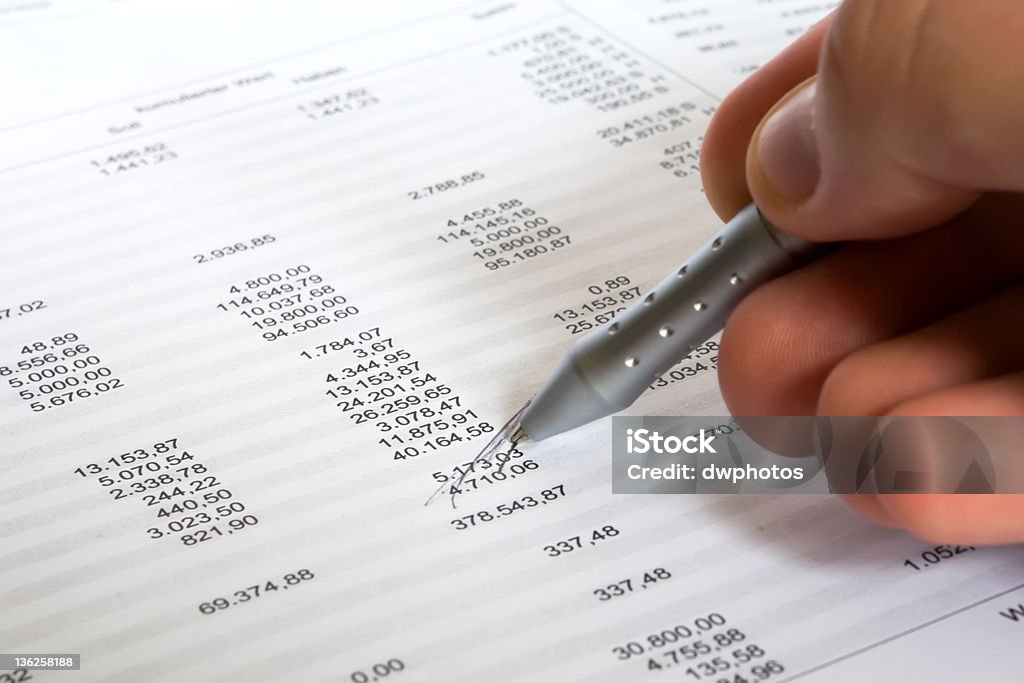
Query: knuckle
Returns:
{"type": "Point", "coordinates": [872, 55]}
{"type": "Point", "coordinates": [889, 68]}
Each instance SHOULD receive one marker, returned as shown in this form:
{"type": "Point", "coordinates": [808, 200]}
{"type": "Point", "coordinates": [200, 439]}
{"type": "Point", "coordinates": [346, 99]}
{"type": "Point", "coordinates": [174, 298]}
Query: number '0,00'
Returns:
{"type": "Point", "coordinates": [378, 671]}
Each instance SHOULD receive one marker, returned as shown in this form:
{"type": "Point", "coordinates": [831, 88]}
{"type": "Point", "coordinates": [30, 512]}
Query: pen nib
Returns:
{"type": "Point", "coordinates": [505, 439]}
{"type": "Point", "coordinates": [519, 435]}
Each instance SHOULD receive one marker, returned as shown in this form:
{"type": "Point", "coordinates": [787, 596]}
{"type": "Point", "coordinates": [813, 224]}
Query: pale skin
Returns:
{"type": "Point", "coordinates": [895, 126]}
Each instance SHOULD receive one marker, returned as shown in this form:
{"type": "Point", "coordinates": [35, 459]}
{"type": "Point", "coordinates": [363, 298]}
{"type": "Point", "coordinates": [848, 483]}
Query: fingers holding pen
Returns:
{"type": "Point", "coordinates": [921, 325]}
{"type": "Point", "coordinates": [906, 120]}
{"type": "Point", "coordinates": [785, 340]}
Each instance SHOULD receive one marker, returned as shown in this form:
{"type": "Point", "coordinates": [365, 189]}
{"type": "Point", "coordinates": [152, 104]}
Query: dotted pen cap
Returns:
{"type": "Point", "coordinates": [608, 369]}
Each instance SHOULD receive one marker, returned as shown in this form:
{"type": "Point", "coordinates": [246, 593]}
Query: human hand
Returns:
{"type": "Point", "coordinates": [895, 126]}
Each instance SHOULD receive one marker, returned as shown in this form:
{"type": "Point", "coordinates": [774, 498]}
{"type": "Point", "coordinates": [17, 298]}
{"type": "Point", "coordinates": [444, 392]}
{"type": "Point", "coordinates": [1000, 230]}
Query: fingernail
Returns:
{"type": "Point", "coordinates": [787, 151]}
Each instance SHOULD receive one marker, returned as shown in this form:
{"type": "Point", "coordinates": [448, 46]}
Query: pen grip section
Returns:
{"type": "Point", "coordinates": [622, 358]}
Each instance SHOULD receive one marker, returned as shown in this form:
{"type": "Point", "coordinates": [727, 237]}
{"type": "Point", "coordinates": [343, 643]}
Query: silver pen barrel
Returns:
{"type": "Point", "coordinates": [609, 368]}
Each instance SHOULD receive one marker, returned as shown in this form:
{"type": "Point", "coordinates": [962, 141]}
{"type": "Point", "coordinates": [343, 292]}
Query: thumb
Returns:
{"type": "Point", "coordinates": [915, 110]}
